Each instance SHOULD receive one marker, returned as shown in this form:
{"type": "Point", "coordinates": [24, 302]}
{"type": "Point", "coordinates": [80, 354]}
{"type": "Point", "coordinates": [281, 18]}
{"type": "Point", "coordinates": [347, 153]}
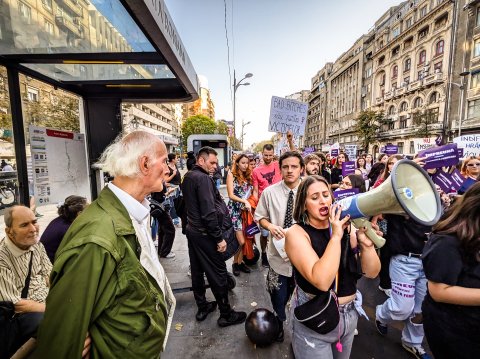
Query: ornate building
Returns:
{"type": "Point", "coordinates": [411, 63]}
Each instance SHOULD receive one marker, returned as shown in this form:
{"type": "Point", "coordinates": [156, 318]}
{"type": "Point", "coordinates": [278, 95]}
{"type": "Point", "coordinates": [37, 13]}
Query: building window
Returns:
{"type": "Point", "coordinates": [422, 57]}
{"type": "Point", "coordinates": [48, 26]}
{"type": "Point", "coordinates": [477, 22]}
{"type": "Point", "coordinates": [391, 125]}
{"type": "Point", "coordinates": [404, 106]}
{"type": "Point", "coordinates": [412, 147]}
{"type": "Point", "coordinates": [437, 68]}
{"type": "Point", "coordinates": [475, 80]}
{"type": "Point", "coordinates": [47, 4]}
{"type": "Point", "coordinates": [380, 60]}
{"type": "Point", "coordinates": [433, 98]}
{"type": "Point", "coordinates": [423, 11]}
{"type": "Point", "coordinates": [418, 102]}
{"type": "Point", "coordinates": [406, 80]}
{"type": "Point", "coordinates": [25, 12]}
{"type": "Point", "coordinates": [394, 72]}
{"type": "Point", "coordinates": [476, 48]}
{"type": "Point", "coordinates": [473, 109]}
{"type": "Point", "coordinates": [403, 123]}
{"type": "Point", "coordinates": [32, 94]}
{"type": "Point", "coordinates": [422, 33]}
{"type": "Point", "coordinates": [391, 110]}
{"type": "Point", "coordinates": [439, 47]}
{"type": "Point", "coordinates": [407, 65]}
{"type": "Point", "coordinates": [409, 22]}
{"type": "Point", "coordinates": [396, 51]}
{"type": "Point", "coordinates": [420, 75]}
{"type": "Point", "coordinates": [396, 32]}
{"type": "Point", "coordinates": [368, 73]}
{"type": "Point", "coordinates": [400, 147]}
{"type": "Point", "coordinates": [382, 80]}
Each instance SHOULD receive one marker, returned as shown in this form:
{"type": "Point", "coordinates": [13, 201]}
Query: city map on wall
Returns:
{"type": "Point", "coordinates": [59, 165]}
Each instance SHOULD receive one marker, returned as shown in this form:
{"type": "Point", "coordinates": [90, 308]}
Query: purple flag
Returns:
{"type": "Point", "coordinates": [444, 180]}
{"type": "Point", "coordinates": [348, 168]}
{"type": "Point", "coordinates": [437, 157]}
{"type": "Point", "coordinates": [391, 150]}
{"type": "Point", "coordinates": [338, 195]}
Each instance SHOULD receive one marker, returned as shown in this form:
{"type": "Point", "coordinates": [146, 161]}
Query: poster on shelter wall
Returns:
{"type": "Point", "coordinates": [59, 165]}
{"type": "Point", "coordinates": [287, 115]}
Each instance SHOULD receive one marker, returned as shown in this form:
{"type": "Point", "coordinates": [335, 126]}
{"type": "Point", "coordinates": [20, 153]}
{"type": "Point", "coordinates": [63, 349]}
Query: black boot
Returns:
{"type": "Point", "coordinates": [235, 269]}
{"type": "Point", "coordinates": [281, 333]}
{"type": "Point", "coordinates": [203, 312]}
{"type": "Point", "coordinates": [231, 318]}
{"type": "Point", "coordinates": [265, 260]}
{"type": "Point", "coordinates": [243, 267]}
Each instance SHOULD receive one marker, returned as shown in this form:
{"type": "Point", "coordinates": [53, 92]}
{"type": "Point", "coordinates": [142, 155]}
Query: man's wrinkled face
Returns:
{"type": "Point", "coordinates": [157, 167]}
{"type": "Point", "coordinates": [24, 231]}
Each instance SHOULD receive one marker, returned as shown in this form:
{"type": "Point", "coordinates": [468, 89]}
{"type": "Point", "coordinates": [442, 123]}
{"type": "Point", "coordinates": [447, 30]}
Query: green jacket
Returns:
{"type": "Point", "coordinates": [98, 285]}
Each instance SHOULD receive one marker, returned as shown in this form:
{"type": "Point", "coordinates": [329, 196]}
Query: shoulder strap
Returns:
{"type": "Point", "coordinates": [24, 294]}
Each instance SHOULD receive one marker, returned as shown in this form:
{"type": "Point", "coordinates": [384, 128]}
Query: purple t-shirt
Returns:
{"type": "Point", "coordinates": [53, 235]}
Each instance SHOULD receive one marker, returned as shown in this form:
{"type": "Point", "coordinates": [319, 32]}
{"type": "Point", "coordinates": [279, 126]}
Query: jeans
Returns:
{"type": "Point", "coordinates": [409, 287]}
{"type": "Point", "coordinates": [308, 344]}
{"type": "Point", "coordinates": [280, 288]}
{"type": "Point", "coordinates": [17, 331]}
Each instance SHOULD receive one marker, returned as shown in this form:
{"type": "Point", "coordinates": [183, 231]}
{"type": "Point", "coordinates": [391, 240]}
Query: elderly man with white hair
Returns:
{"type": "Point", "coordinates": [107, 282]}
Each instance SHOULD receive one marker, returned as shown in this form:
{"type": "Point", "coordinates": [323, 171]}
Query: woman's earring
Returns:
{"type": "Point", "coordinates": [304, 218]}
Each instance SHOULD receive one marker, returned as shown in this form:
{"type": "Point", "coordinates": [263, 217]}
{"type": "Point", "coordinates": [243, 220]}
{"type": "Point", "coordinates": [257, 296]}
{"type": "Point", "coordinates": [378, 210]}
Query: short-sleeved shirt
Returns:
{"type": "Point", "coordinates": [14, 263]}
{"type": "Point", "coordinates": [266, 175]}
{"type": "Point", "coordinates": [444, 262]}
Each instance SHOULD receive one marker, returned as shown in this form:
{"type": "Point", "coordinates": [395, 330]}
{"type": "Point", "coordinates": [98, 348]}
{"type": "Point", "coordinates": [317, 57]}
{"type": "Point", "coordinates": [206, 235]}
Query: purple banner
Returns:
{"type": "Point", "coordinates": [444, 180]}
{"type": "Point", "coordinates": [334, 152]}
{"type": "Point", "coordinates": [460, 152]}
{"type": "Point", "coordinates": [437, 157]}
{"type": "Point", "coordinates": [252, 229]}
{"type": "Point", "coordinates": [338, 195]}
{"type": "Point", "coordinates": [391, 149]}
{"type": "Point", "coordinates": [457, 180]}
{"type": "Point", "coordinates": [348, 168]}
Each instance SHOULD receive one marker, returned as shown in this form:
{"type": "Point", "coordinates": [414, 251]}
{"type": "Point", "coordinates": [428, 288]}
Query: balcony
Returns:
{"type": "Point", "coordinates": [415, 85]}
{"type": "Point", "coordinates": [400, 91]}
{"type": "Point", "coordinates": [66, 24]}
{"type": "Point", "coordinates": [433, 79]}
{"type": "Point", "coordinates": [388, 95]}
{"type": "Point", "coordinates": [473, 92]}
{"type": "Point", "coordinates": [72, 6]}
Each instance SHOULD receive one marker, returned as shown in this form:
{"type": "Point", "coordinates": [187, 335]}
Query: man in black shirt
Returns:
{"type": "Point", "coordinates": [409, 285]}
{"type": "Point", "coordinates": [206, 215]}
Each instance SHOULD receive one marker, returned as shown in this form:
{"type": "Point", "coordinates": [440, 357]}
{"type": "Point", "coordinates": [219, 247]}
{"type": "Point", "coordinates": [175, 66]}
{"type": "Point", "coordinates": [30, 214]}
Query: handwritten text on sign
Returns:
{"type": "Point", "coordinates": [287, 115]}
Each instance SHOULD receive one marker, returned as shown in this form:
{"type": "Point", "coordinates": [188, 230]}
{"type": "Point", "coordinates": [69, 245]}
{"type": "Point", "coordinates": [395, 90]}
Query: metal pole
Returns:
{"type": "Point", "coordinates": [460, 110]}
{"type": "Point", "coordinates": [234, 109]}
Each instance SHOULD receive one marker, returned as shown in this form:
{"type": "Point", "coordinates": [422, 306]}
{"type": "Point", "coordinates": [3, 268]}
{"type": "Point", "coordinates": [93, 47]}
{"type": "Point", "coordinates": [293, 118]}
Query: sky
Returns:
{"type": "Point", "coordinates": [283, 43]}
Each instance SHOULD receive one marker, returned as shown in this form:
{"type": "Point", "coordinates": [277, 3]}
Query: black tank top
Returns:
{"type": "Point", "coordinates": [349, 271]}
{"type": "Point", "coordinates": [177, 179]}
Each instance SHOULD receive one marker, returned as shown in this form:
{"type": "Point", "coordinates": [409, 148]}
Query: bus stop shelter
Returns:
{"type": "Point", "coordinates": [105, 51]}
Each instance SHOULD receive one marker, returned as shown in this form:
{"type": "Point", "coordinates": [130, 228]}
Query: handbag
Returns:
{"type": "Point", "coordinates": [320, 313]}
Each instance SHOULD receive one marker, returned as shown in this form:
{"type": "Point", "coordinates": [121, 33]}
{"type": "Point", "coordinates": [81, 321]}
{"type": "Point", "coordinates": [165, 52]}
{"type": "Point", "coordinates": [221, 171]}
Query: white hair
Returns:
{"type": "Point", "coordinates": [121, 157]}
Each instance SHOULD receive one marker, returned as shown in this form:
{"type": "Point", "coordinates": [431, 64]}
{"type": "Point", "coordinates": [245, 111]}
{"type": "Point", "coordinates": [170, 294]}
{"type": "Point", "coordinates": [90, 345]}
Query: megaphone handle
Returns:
{"type": "Point", "coordinates": [374, 237]}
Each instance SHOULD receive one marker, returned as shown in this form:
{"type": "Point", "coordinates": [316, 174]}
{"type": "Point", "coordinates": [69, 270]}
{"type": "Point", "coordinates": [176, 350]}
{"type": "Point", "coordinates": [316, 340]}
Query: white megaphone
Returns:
{"type": "Point", "coordinates": [408, 190]}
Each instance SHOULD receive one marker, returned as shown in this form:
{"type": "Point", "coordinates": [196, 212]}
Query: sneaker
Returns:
{"type": "Point", "coordinates": [265, 260]}
{"type": "Point", "coordinates": [417, 351]}
{"type": "Point", "coordinates": [243, 267]}
{"type": "Point", "coordinates": [388, 292]}
{"type": "Point", "coordinates": [170, 255]}
{"type": "Point", "coordinates": [203, 313]}
{"type": "Point", "coordinates": [232, 318]}
{"type": "Point", "coordinates": [381, 328]}
{"type": "Point", "coordinates": [236, 269]}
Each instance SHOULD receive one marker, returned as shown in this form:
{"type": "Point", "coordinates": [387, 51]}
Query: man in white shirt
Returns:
{"type": "Point", "coordinates": [274, 213]}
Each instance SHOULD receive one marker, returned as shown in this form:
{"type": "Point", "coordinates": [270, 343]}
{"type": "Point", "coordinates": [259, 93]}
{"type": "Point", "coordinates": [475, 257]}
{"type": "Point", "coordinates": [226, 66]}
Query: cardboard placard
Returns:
{"type": "Point", "coordinates": [348, 168]}
{"type": "Point", "coordinates": [287, 115]}
{"type": "Point", "coordinates": [438, 157]}
{"type": "Point", "coordinates": [338, 195]}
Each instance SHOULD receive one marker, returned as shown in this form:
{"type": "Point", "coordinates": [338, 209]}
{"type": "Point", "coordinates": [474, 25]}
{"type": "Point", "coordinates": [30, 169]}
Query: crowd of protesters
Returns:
{"type": "Point", "coordinates": [106, 273]}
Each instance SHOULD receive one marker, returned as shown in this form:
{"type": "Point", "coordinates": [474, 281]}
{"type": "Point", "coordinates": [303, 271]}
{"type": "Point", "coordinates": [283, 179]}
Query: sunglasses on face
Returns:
{"type": "Point", "coordinates": [473, 164]}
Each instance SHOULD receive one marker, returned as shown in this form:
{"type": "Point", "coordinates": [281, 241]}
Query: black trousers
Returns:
{"type": "Point", "coordinates": [385, 256]}
{"type": "Point", "coordinates": [204, 258]}
{"type": "Point", "coordinates": [16, 332]}
{"type": "Point", "coordinates": [166, 234]}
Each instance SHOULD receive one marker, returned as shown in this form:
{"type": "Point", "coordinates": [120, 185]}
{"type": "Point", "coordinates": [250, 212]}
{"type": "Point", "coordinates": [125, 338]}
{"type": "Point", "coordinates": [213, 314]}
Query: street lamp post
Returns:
{"type": "Point", "coordinates": [243, 133]}
{"type": "Point", "coordinates": [462, 95]}
{"type": "Point", "coordinates": [236, 85]}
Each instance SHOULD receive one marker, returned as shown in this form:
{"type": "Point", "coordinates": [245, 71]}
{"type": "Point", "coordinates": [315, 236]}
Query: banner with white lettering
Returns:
{"type": "Point", "coordinates": [469, 143]}
{"type": "Point", "coordinates": [287, 115]}
{"type": "Point", "coordinates": [423, 143]}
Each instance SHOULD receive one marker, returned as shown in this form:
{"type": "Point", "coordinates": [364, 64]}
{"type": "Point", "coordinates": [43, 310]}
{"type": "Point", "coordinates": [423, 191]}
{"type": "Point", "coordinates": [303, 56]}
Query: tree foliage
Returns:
{"type": "Point", "coordinates": [367, 125]}
{"type": "Point", "coordinates": [198, 124]}
{"type": "Point", "coordinates": [235, 143]}
{"type": "Point", "coordinates": [423, 120]}
{"type": "Point", "coordinates": [259, 146]}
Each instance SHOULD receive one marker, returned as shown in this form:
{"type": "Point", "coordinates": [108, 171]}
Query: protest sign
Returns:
{"type": "Point", "coordinates": [391, 149]}
{"type": "Point", "coordinates": [457, 180]}
{"type": "Point", "coordinates": [348, 168]}
{"type": "Point", "coordinates": [421, 144]}
{"type": "Point", "coordinates": [437, 157]}
{"type": "Point", "coordinates": [460, 152]}
{"type": "Point", "coordinates": [326, 148]}
{"type": "Point", "coordinates": [334, 152]}
{"type": "Point", "coordinates": [287, 115]}
{"type": "Point", "coordinates": [252, 229]}
{"type": "Point", "coordinates": [351, 151]}
{"type": "Point", "coordinates": [444, 180]}
{"type": "Point", "coordinates": [308, 150]}
{"type": "Point", "coordinates": [469, 143]}
{"type": "Point", "coordinates": [282, 145]}
{"type": "Point", "coordinates": [338, 195]}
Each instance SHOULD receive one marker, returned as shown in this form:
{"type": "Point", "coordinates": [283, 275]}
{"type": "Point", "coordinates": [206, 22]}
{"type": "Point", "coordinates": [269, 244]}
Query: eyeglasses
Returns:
{"type": "Point", "coordinates": [473, 164]}
{"type": "Point", "coordinates": [348, 184]}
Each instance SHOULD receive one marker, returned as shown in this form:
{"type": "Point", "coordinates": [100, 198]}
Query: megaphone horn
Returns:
{"type": "Point", "coordinates": [408, 190]}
